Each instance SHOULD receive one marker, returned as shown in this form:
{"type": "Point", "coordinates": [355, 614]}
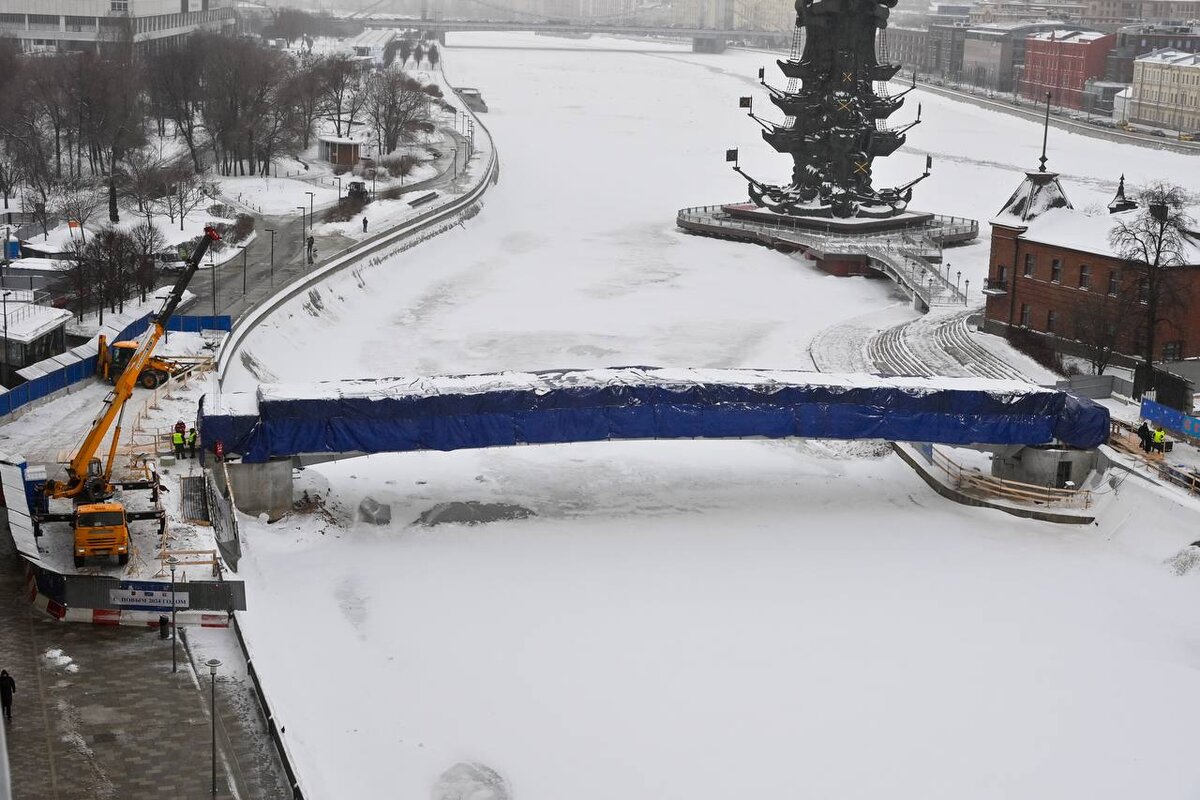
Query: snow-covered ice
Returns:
{"type": "Point", "coordinates": [704, 619]}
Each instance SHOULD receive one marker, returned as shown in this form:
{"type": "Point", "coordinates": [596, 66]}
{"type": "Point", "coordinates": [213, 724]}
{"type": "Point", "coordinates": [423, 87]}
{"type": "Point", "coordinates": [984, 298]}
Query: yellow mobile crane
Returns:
{"type": "Point", "coordinates": [101, 527]}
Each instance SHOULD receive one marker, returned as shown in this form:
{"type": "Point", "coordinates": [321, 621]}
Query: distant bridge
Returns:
{"type": "Point", "coordinates": [710, 24]}
{"type": "Point", "coordinates": [704, 40]}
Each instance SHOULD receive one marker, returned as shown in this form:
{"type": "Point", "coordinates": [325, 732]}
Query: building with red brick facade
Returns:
{"type": "Point", "coordinates": [1061, 62]}
{"type": "Point", "coordinates": [1054, 272]}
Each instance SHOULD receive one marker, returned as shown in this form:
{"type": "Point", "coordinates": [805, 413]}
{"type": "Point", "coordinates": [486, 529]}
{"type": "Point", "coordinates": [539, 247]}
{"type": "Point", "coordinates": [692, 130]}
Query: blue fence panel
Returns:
{"type": "Point", "coordinates": [191, 323]}
{"type": "Point", "coordinates": [1172, 419]}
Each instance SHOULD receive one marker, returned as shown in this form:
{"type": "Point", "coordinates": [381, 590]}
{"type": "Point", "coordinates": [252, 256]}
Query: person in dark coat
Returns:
{"type": "Point", "coordinates": [364, 224]}
{"type": "Point", "coordinates": [1143, 433]}
{"type": "Point", "coordinates": [8, 687]}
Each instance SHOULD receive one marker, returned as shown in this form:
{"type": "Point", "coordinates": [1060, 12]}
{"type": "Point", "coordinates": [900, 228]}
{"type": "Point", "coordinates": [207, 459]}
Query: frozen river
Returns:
{"type": "Point", "coordinates": [696, 620]}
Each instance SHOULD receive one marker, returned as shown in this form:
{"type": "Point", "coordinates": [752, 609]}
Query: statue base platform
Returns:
{"type": "Point", "coordinates": [906, 248]}
{"type": "Point", "coordinates": [906, 219]}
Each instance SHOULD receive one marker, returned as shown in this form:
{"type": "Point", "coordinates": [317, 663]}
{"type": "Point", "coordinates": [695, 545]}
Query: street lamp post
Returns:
{"type": "Point", "coordinates": [268, 230]}
{"type": "Point", "coordinates": [243, 268]}
{"type": "Point", "coordinates": [310, 203]}
{"type": "Point", "coordinates": [455, 151]}
{"type": "Point", "coordinates": [4, 306]}
{"type": "Point", "coordinates": [303, 238]}
{"type": "Point", "coordinates": [212, 665]}
{"type": "Point", "coordinates": [172, 562]}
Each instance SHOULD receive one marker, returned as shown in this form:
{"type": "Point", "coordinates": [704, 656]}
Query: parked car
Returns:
{"type": "Point", "coordinates": [168, 261]}
{"type": "Point", "coordinates": [1157, 132]}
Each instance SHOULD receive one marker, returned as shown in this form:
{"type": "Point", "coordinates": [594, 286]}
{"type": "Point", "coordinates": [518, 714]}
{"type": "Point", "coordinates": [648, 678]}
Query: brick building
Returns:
{"type": "Point", "coordinates": [1061, 62]}
{"type": "Point", "coordinates": [1053, 271]}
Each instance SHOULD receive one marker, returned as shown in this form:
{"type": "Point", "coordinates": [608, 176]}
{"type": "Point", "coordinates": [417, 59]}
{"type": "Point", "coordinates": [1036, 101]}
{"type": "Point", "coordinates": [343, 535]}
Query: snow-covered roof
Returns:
{"type": "Point", "coordinates": [1088, 233]}
{"type": "Point", "coordinates": [1037, 194]}
{"type": "Point", "coordinates": [338, 140]}
{"type": "Point", "coordinates": [1172, 57]}
{"type": "Point", "coordinates": [43, 264]}
{"type": "Point", "coordinates": [58, 240]}
{"type": "Point", "coordinates": [1067, 36]}
{"type": "Point", "coordinates": [27, 321]}
{"type": "Point", "coordinates": [373, 37]}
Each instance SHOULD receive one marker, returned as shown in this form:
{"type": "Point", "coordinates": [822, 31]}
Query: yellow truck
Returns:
{"type": "Point", "coordinates": [101, 530]}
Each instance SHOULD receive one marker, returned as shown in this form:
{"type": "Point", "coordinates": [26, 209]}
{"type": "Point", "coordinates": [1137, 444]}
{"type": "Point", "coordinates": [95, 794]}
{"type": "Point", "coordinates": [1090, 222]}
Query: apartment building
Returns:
{"type": "Point", "coordinates": [1166, 90]}
{"type": "Point", "coordinates": [48, 25]}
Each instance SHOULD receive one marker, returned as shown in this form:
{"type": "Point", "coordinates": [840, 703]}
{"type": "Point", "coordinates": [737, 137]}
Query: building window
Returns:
{"type": "Point", "coordinates": [1143, 290]}
{"type": "Point", "coordinates": [1055, 270]}
{"type": "Point", "coordinates": [1114, 283]}
{"type": "Point", "coordinates": [119, 5]}
{"type": "Point", "coordinates": [1029, 265]}
{"type": "Point", "coordinates": [1085, 276]}
{"type": "Point", "coordinates": [1051, 321]}
{"type": "Point", "coordinates": [1172, 351]}
{"type": "Point", "coordinates": [1026, 315]}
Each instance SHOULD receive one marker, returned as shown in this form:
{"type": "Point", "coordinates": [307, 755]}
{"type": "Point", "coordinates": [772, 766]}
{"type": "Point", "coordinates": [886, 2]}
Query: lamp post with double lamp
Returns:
{"type": "Point", "coordinates": [212, 665]}
{"type": "Point", "coordinates": [310, 203]}
{"type": "Point", "coordinates": [268, 230]}
{"type": "Point", "coordinates": [172, 562]}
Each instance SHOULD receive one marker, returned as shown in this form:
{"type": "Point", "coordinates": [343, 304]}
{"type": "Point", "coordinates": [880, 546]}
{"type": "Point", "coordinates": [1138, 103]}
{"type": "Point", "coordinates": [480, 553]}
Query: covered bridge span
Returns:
{"type": "Point", "coordinates": [493, 410]}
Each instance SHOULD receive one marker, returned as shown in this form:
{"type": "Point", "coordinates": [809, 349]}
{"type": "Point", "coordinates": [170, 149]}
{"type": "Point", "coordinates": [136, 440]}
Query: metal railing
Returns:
{"type": "Point", "coordinates": [907, 257]}
{"type": "Point", "coordinates": [972, 481]}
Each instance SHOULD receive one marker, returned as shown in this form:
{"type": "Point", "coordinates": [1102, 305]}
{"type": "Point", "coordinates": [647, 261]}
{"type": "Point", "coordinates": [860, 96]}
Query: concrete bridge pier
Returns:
{"type": "Point", "coordinates": [708, 44]}
{"type": "Point", "coordinates": [264, 488]}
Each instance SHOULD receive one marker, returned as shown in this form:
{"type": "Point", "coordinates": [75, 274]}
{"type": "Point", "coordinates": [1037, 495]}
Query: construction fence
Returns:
{"type": "Point", "coordinates": [78, 364]}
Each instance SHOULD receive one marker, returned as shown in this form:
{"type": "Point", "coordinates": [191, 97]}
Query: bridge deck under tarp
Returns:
{"type": "Point", "coordinates": [493, 410]}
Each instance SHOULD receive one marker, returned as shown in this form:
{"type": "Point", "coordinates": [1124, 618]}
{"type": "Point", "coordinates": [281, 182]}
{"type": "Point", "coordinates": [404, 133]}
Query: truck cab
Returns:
{"type": "Point", "coordinates": [101, 529]}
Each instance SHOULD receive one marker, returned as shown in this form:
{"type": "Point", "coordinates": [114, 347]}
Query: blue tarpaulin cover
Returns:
{"type": "Point", "coordinates": [468, 411]}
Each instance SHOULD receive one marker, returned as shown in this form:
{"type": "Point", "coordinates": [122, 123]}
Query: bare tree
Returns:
{"type": "Point", "coordinates": [394, 102]}
{"type": "Point", "coordinates": [1154, 243]}
{"type": "Point", "coordinates": [1102, 323]}
{"type": "Point", "coordinates": [343, 93]}
{"type": "Point", "coordinates": [147, 240]}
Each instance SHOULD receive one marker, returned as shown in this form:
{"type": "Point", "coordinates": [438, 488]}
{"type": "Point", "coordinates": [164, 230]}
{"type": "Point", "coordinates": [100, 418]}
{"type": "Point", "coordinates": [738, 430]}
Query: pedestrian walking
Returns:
{"type": "Point", "coordinates": [177, 442]}
{"type": "Point", "coordinates": [309, 243]}
{"type": "Point", "coordinates": [191, 442]}
{"type": "Point", "coordinates": [1143, 433]}
{"type": "Point", "coordinates": [8, 687]}
{"type": "Point", "coordinates": [364, 224]}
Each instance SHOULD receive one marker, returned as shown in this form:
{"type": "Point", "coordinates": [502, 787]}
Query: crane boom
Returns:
{"type": "Point", "coordinates": [114, 403]}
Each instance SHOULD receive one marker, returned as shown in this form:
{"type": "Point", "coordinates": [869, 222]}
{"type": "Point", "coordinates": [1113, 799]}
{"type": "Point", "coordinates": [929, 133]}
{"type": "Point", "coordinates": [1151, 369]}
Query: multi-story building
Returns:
{"type": "Point", "coordinates": [1061, 62]}
{"type": "Point", "coordinates": [1111, 13]}
{"type": "Point", "coordinates": [945, 55]}
{"type": "Point", "coordinates": [999, 11]}
{"type": "Point", "coordinates": [909, 47]}
{"type": "Point", "coordinates": [1166, 91]}
{"type": "Point", "coordinates": [1053, 271]}
{"type": "Point", "coordinates": [1169, 10]}
{"type": "Point", "coordinates": [1138, 40]}
{"type": "Point", "coordinates": [993, 55]}
{"type": "Point", "coordinates": [84, 24]}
